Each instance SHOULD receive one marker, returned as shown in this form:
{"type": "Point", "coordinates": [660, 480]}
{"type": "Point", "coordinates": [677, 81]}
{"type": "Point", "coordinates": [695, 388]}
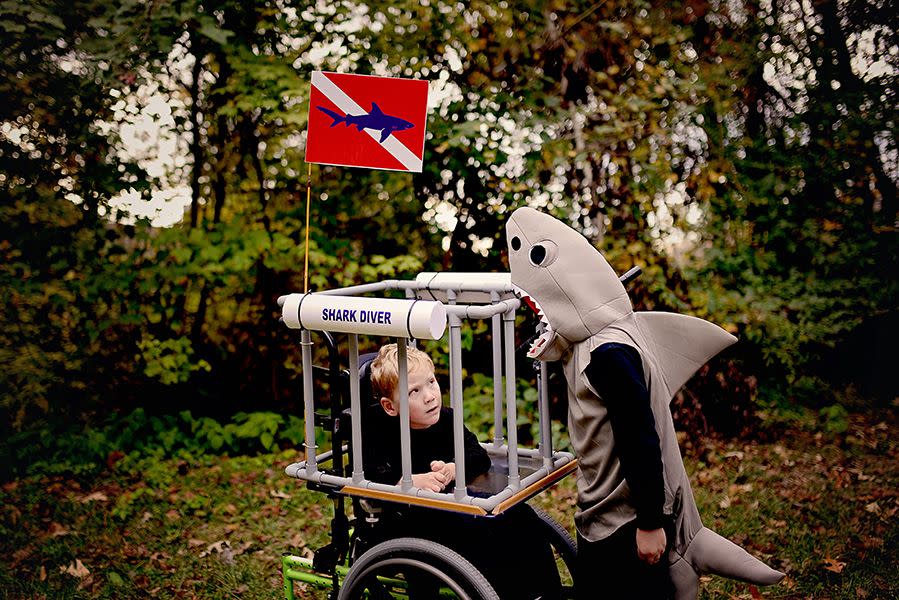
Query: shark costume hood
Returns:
{"type": "Point", "coordinates": [582, 305]}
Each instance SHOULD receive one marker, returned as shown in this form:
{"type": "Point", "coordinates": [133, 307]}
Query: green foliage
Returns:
{"type": "Point", "coordinates": [835, 419]}
{"type": "Point", "coordinates": [134, 437]}
{"type": "Point", "coordinates": [169, 361]}
{"type": "Point", "coordinates": [656, 129]}
{"type": "Point", "coordinates": [477, 399]}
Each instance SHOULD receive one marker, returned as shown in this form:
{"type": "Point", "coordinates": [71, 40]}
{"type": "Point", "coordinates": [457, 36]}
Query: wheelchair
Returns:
{"type": "Point", "coordinates": [366, 558]}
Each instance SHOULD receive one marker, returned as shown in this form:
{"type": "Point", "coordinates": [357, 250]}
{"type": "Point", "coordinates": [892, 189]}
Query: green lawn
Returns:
{"type": "Point", "coordinates": [821, 508]}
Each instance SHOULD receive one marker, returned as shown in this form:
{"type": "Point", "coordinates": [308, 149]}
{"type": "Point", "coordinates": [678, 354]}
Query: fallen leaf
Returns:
{"type": "Point", "coordinates": [279, 494]}
{"type": "Point", "coordinates": [725, 502]}
{"type": "Point", "coordinates": [57, 530]}
{"type": "Point", "coordinates": [834, 565]}
{"type": "Point", "coordinates": [172, 515]}
{"type": "Point", "coordinates": [231, 528]}
{"type": "Point", "coordinates": [873, 508]}
{"type": "Point", "coordinates": [218, 547]}
{"type": "Point", "coordinates": [75, 569]}
{"type": "Point", "coordinates": [86, 583]}
{"type": "Point", "coordinates": [193, 543]}
{"type": "Point", "coordinates": [872, 542]}
{"type": "Point", "coordinates": [43, 574]}
{"type": "Point", "coordinates": [95, 497]}
{"type": "Point", "coordinates": [145, 517]}
{"type": "Point", "coordinates": [737, 489]}
{"type": "Point", "coordinates": [241, 548]}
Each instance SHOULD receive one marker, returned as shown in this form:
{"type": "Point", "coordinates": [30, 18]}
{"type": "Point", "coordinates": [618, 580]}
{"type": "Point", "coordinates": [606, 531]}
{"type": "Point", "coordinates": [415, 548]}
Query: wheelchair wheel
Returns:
{"type": "Point", "coordinates": [414, 568]}
{"type": "Point", "coordinates": [563, 544]}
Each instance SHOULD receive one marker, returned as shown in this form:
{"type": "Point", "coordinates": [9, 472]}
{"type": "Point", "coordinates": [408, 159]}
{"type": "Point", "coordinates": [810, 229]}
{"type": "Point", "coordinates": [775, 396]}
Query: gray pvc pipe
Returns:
{"type": "Point", "coordinates": [405, 441]}
{"type": "Point", "coordinates": [497, 335]}
{"type": "Point", "coordinates": [355, 408]}
{"type": "Point", "coordinates": [511, 410]}
{"type": "Point", "coordinates": [546, 437]}
{"type": "Point", "coordinates": [455, 349]}
{"type": "Point", "coordinates": [308, 400]}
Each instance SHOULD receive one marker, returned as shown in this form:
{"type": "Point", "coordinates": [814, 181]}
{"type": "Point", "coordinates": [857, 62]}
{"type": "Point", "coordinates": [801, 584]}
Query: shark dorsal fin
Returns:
{"type": "Point", "coordinates": [375, 109]}
{"type": "Point", "coordinates": [685, 342]}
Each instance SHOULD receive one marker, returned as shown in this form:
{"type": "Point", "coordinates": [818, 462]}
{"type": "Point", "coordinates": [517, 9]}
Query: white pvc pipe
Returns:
{"type": "Point", "coordinates": [389, 317]}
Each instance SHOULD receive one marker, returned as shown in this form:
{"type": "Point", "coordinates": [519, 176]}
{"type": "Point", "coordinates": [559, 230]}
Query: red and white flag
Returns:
{"type": "Point", "coordinates": [366, 121]}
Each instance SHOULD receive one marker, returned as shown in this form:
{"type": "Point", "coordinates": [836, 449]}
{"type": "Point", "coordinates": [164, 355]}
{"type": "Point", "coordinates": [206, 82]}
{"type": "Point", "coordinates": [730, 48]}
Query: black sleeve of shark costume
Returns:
{"type": "Point", "coordinates": [616, 373]}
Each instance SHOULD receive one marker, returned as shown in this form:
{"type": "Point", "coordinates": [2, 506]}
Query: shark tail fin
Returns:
{"type": "Point", "coordinates": [686, 342]}
{"type": "Point", "coordinates": [337, 118]}
{"type": "Point", "coordinates": [710, 553]}
{"type": "Point", "coordinates": [375, 109]}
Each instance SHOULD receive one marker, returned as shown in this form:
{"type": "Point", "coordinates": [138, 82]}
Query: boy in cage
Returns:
{"type": "Point", "coordinates": [434, 469]}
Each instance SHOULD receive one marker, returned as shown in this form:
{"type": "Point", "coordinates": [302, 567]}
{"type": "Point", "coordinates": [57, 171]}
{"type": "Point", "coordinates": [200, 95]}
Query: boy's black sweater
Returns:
{"type": "Point", "coordinates": [381, 447]}
{"type": "Point", "coordinates": [616, 373]}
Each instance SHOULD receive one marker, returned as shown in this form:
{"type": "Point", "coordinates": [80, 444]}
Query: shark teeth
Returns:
{"type": "Point", "coordinates": [537, 347]}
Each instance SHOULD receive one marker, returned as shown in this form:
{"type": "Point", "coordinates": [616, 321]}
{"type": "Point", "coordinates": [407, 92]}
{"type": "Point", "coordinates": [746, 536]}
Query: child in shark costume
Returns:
{"type": "Point", "coordinates": [583, 306]}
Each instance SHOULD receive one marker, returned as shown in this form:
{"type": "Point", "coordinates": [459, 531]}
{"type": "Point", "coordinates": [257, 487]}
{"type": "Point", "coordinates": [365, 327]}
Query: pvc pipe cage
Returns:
{"type": "Point", "coordinates": [489, 297]}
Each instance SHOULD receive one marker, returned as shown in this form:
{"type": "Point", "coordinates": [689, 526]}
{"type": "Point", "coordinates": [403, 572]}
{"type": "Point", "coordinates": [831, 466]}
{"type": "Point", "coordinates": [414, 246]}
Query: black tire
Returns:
{"type": "Point", "coordinates": [421, 564]}
{"type": "Point", "coordinates": [562, 543]}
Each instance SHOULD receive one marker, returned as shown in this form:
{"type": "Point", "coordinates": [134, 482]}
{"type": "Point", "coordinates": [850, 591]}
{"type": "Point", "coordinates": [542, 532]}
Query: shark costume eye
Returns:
{"type": "Point", "coordinates": [543, 253]}
{"type": "Point", "coordinates": [516, 243]}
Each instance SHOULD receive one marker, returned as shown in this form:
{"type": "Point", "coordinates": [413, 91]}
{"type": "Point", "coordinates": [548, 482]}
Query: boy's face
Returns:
{"type": "Point", "coordinates": [424, 399]}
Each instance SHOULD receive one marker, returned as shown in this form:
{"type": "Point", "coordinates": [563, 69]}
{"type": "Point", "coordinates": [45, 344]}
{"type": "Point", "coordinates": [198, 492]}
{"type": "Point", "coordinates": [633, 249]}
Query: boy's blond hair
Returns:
{"type": "Point", "coordinates": [385, 375]}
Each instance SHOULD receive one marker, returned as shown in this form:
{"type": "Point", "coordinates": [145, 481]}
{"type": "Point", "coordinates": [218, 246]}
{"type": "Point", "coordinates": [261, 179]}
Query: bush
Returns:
{"type": "Point", "coordinates": [59, 448]}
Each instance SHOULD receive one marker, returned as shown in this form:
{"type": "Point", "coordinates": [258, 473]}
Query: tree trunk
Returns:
{"type": "Point", "coordinates": [838, 67]}
{"type": "Point", "coordinates": [196, 148]}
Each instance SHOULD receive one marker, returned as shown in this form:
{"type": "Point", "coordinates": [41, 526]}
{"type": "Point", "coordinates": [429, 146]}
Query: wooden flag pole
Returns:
{"type": "Point", "coordinates": [308, 201]}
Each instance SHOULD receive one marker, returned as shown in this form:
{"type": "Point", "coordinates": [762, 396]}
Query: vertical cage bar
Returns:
{"type": "Point", "coordinates": [455, 350]}
{"type": "Point", "coordinates": [355, 408]}
{"type": "Point", "coordinates": [308, 401]}
{"type": "Point", "coordinates": [511, 411]}
{"type": "Point", "coordinates": [405, 436]}
{"type": "Point", "coordinates": [497, 334]}
{"type": "Point", "coordinates": [546, 437]}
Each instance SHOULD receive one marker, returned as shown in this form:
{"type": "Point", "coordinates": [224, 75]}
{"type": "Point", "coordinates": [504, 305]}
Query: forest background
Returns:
{"type": "Point", "coordinates": [743, 153]}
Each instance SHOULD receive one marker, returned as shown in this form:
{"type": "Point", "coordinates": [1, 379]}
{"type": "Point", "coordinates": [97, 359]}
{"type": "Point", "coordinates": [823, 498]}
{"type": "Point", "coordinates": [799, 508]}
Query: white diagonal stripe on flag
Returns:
{"type": "Point", "coordinates": [349, 106]}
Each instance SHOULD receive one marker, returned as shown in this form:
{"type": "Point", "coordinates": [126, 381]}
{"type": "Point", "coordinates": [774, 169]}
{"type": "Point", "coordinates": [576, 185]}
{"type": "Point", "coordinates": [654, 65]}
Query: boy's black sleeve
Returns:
{"type": "Point", "coordinates": [616, 373]}
{"type": "Point", "coordinates": [477, 461]}
{"type": "Point", "coordinates": [380, 442]}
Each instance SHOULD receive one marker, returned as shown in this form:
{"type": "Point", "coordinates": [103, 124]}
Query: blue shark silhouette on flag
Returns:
{"type": "Point", "coordinates": [376, 119]}
{"type": "Point", "coordinates": [389, 135]}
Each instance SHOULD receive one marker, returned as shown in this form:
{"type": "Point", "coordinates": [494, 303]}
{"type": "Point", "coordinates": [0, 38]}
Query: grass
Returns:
{"type": "Point", "coordinates": [820, 507]}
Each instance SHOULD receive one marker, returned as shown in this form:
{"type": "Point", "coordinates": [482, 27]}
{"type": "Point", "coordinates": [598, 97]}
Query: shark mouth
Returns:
{"type": "Point", "coordinates": [545, 331]}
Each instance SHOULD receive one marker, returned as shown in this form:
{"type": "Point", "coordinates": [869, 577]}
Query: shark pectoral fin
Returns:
{"type": "Point", "coordinates": [708, 552]}
{"type": "Point", "coordinates": [684, 577]}
{"type": "Point", "coordinates": [385, 133]}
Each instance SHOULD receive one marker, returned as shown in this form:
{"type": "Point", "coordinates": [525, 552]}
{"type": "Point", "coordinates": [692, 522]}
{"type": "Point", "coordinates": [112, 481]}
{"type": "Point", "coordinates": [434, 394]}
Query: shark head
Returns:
{"type": "Point", "coordinates": [564, 279]}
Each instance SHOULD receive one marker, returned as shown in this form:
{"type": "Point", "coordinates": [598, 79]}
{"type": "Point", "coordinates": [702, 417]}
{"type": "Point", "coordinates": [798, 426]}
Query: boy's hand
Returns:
{"type": "Point", "coordinates": [651, 545]}
{"type": "Point", "coordinates": [447, 471]}
{"type": "Point", "coordinates": [428, 481]}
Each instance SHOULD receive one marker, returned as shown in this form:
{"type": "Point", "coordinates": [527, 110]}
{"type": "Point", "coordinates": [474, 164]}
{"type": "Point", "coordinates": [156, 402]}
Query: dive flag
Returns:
{"type": "Point", "coordinates": [366, 121]}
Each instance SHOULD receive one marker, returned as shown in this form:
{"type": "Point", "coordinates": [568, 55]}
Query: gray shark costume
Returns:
{"type": "Point", "coordinates": [583, 305]}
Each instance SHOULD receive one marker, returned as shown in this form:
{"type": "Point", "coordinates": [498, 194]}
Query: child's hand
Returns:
{"type": "Point", "coordinates": [429, 481]}
{"type": "Point", "coordinates": [447, 471]}
{"type": "Point", "coordinates": [651, 545]}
